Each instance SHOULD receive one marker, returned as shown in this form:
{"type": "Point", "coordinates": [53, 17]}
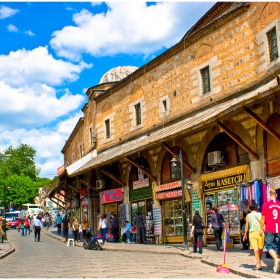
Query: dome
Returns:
{"type": "Point", "coordinates": [116, 74]}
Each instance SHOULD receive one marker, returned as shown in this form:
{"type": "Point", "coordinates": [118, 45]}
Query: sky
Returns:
{"type": "Point", "coordinates": [52, 52]}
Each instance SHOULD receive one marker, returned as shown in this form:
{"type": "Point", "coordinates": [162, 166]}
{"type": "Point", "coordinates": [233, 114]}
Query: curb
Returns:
{"type": "Point", "coordinates": [7, 252]}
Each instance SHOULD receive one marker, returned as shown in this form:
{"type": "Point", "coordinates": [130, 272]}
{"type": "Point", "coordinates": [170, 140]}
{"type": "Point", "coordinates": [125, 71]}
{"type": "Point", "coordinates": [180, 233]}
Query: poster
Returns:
{"type": "Point", "coordinates": [195, 203]}
{"type": "Point", "coordinates": [157, 220]}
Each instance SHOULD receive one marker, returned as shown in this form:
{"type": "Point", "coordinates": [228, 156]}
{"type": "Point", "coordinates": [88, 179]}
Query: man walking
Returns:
{"type": "Point", "coordinates": [65, 227]}
{"type": "Point", "coordinates": [270, 223]}
{"type": "Point", "coordinates": [37, 229]}
{"type": "Point", "coordinates": [58, 223]}
{"type": "Point", "coordinates": [115, 228]}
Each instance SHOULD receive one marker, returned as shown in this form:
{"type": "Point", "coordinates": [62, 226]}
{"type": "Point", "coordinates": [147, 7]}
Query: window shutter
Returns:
{"type": "Point", "coordinates": [272, 43]}
{"type": "Point", "coordinates": [205, 76]}
{"type": "Point", "coordinates": [107, 125]}
{"type": "Point", "coordinates": [138, 113]}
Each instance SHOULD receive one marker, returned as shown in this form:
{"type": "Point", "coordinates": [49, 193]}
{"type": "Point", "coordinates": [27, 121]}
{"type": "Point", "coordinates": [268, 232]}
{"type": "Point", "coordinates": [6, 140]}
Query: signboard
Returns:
{"type": "Point", "coordinates": [84, 201]}
{"type": "Point", "coordinates": [140, 193]}
{"type": "Point", "coordinates": [195, 203]}
{"type": "Point", "coordinates": [110, 196]}
{"type": "Point", "coordinates": [169, 194]}
{"type": "Point", "coordinates": [157, 220]}
{"type": "Point", "coordinates": [83, 192]}
{"type": "Point", "coordinates": [168, 186]}
{"type": "Point", "coordinates": [141, 183]}
{"type": "Point", "coordinates": [75, 203]}
{"type": "Point", "coordinates": [60, 170]}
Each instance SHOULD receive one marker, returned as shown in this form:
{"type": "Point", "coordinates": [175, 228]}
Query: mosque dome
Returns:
{"type": "Point", "coordinates": [116, 74]}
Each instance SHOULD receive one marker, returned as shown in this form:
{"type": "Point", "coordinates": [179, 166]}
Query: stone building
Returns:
{"type": "Point", "coordinates": [209, 105]}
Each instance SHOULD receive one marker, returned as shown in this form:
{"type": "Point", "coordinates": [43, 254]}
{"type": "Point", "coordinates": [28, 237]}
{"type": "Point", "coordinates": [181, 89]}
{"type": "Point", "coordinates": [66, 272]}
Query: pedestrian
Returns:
{"type": "Point", "coordinates": [65, 227]}
{"type": "Point", "coordinates": [127, 231]}
{"type": "Point", "coordinates": [133, 233]}
{"type": "Point", "coordinates": [217, 223]}
{"type": "Point", "coordinates": [244, 242]}
{"type": "Point", "coordinates": [37, 228]}
{"type": "Point", "coordinates": [270, 223]}
{"type": "Point", "coordinates": [21, 227]}
{"type": "Point", "coordinates": [58, 223]}
{"type": "Point", "coordinates": [1, 231]}
{"type": "Point", "coordinates": [75, 227]}
{"type": "Point", "coordinates": [140, 228]}
{"type": "Point", "coordinates": [115, 228]}
{"type": "Point", "coordinates": [26, 226]}
{"type": "Point", "coordinates": [47, 221]}
{"type": "Point", "coordinates": [84, 226]}
{"type": "Point", "coordinates": [104, 225]}
{"type": "Point", "coordinates": [197, 232]}
{"type": "Point", "coordinates": [256, 234]}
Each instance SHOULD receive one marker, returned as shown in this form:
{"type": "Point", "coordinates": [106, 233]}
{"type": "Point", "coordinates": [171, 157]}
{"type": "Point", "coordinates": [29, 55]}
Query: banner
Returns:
{"type": "Point", "coordinates": [111, 196]}
{"type": "Point", "coordinates": [141, 183]}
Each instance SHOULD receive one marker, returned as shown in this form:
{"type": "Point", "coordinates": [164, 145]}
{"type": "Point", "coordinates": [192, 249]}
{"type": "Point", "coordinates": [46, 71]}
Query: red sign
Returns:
{"type": "Point", "coordinates": [170, 194]}
{"type": "Point", "coordinates": [110, 196]}
{"type": "Point", "coordinates": [83, 192]}
{"type": "Point", "coordinates": [168, 186]}
{"type": "Point", "coordinates": [60, 170]}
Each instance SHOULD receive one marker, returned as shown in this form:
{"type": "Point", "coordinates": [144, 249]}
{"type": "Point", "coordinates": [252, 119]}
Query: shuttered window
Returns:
{"type": "Point", "coordinates": [90, 136]}
{"type": "Point", "coordinates": [272, 44]}
{"type": "Point", "coordinates": [137, 113]}
{"type": "Point", "coordinates": [107, 126]}
{"type": "Point", "coordinates": [205, 77]}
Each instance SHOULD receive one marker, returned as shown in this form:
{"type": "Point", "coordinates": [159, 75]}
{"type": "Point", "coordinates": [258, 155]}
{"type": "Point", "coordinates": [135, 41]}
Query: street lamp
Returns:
{"type": "Point", "coordinates": [5, 206]}
{"type": "Point", "coordinates": [174, 162]}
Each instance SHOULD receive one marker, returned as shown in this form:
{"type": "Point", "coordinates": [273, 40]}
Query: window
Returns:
{"type": "Point", "coordinates": [164, 105]}
{"type": "Point", "coordinates": [272, 44]}
{"type": "Point", "coordinates": [90, 136]}
{"type": "Point", "coordinates": [137, 113]}
{"type": "Point", "coordinates": [81, 151]}
{"type": "Point", "coordinates": [73, 158]}
{"type": "Point", "coordinates": [205, 77]}
{"type": "Point", "coordinates": [107, 127]}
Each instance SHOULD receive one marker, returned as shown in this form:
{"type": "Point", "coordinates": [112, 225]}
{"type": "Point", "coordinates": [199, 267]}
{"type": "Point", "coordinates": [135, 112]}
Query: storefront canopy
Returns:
{"type": "Point", "coordinates": [188, 124]}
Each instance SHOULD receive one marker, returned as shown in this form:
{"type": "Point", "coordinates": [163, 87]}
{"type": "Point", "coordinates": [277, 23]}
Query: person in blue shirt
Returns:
{"type": "Point", "coordinates": [37, 228]}
{"type": "Point", "coordinates": [58, 223]}
{"type": "Point", "coordinates": [126, 235]}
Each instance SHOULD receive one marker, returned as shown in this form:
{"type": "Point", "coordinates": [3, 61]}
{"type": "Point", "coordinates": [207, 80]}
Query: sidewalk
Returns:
{"type": "Point", "coordinates": [6, 249]}
{"type": "Point", "coordinates": [239, 262]}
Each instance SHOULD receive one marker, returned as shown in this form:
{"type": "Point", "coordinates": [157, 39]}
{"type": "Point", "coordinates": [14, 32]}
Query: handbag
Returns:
{"type": "Point", "coordinates": [260, 233]}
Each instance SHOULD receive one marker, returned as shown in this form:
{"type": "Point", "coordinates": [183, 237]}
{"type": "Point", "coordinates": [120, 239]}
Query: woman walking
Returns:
{"type": "Point", "coordinates": [197, 232]}
{"type": "Point", "coordinates": [76, 226]}
{"type": "Point", "coordinates": [256, 234]}
{"type": "Point", "coordinates": [104, 225]}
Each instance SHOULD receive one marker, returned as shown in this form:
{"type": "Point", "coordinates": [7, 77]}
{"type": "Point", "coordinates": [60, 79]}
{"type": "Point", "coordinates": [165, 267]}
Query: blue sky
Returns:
{"type": "Point", "coordinates": [52, 52]}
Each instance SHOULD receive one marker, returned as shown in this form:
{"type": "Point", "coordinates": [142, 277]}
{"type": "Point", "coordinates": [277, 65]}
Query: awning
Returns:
{"type": "Point", "coordinates": [188, 124]}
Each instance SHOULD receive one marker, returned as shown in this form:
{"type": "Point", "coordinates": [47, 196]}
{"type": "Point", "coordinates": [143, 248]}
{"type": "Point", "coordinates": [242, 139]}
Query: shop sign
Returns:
{"type": "Point", "coordinates": [226, 181]}
{"type": "Point", "coordinates": [170, 194]}
{"type": "Point", "coordinates": [168, 186]}
{"type": "Point", "coordinates": [83, 192]}
{"type": "Point", "coordinates": [75, 203]}
{"type": "Point", "coordinates": [60, 170]}
{"type": "Point", "coordinates": [141, 183]}
{"type": "Point", "coordinates": [84, 201]}
{"type": "Point", "coordinates": [140, 193]}
{"type": "Point", "coordinates": [195, 202]}
{"type": "Point", "coordinates": [110, 196]}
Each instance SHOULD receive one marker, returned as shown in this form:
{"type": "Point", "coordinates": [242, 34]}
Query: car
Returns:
{"type": "Point", "coordinates": [14, 222]}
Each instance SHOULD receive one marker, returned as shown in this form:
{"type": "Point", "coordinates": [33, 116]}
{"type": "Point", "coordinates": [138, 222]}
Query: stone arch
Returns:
{"type": "Point", "coordinates": [270, 12]}
{"type": "Point", "coordinates": [203, 50]}
{"type": "Point", "coordinates": [107, 107]}
{"type": "Point", "coordinates": [136, 93]}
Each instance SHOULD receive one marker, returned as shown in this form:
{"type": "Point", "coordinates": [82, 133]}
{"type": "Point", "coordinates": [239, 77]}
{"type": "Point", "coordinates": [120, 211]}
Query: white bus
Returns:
{"type": "Point", "coordinates": [32, 208]}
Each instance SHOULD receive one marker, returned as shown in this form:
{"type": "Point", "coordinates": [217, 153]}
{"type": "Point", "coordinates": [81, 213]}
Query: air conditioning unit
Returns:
{"type": "Point", "coordinates": [100, 184]}
{"type": "Point", "coordinates": [215, 158]}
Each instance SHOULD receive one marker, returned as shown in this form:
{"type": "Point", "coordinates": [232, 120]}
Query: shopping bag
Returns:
{"type": "Point", "coordinates": [223, 235]}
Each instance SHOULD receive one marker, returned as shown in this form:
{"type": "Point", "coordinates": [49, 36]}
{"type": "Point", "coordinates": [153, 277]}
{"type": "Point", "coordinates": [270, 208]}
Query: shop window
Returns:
{"type": "Point", "coordinates": [137, 113]}
{"type": "Point", "coordinates": [272, 44]}
{"type": "Point", "coordinates": [107, 128]}
{"type": "Point", "coordinates": [205, 79]}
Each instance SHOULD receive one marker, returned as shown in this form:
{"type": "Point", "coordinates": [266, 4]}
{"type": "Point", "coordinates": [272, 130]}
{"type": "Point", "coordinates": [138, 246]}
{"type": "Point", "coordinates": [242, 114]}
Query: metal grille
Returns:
{"type": "Point", "coordinates": [107, 124]}
{"type": "Point", "coordinates": [205, 76]}
{"type": "Point", "coordinates": [272, 43]}
{"type": "Point", "coordinates": [137, 113]}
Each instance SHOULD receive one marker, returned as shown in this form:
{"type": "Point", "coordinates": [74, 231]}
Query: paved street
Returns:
{"type": "Point", "coordinates": [52, 258]}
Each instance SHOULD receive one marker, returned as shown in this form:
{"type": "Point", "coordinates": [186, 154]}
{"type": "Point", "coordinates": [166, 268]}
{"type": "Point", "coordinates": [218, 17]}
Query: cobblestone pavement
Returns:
{"type": "Point", "coordinates": [53, 259]}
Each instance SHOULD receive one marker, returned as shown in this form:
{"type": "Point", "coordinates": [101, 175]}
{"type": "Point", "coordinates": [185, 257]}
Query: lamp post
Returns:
{"type": "Point", "coordinates": [5, 206]}
{"type": "Point", "coordinates": [174, 161]}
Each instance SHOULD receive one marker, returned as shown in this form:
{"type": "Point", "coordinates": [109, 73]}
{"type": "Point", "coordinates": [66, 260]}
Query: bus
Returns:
{"type": "Point", "coordinates": [32, 208]}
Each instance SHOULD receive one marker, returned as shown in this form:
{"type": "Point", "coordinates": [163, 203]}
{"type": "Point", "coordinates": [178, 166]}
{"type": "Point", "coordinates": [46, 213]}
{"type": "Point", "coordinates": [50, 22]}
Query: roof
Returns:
{"type": "Point", "coordinates": [188, 124]}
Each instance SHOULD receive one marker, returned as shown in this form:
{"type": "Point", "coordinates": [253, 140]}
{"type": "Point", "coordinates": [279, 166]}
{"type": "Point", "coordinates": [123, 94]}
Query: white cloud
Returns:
{"type": "Point", "coordinates": [6, 12]}
{"type": "Point", "coordinates": [48, 142]}
{"type": "Point", "coordinates": [29, 32]}
{"type": "Point", "coordinates": [126, 27]}
{"type": "Point", "coordinates": [25, 67]}
{"type": "Point", "coordinates": [33, 106]}
{"type": "Point", "coordinates": [12, 28]}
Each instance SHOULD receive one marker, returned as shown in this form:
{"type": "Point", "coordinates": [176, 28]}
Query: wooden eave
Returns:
{"type": "Point", "coordinates": [72, 135]}
{"type": "Point", "coordinates": [179, 47]}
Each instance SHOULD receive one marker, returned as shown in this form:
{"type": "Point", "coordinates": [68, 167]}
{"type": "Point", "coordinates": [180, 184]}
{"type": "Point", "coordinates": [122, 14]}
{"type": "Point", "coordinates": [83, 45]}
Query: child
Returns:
{"type": "Point", "coordinates": [21, 227]}
{"type": "Point", "coordinates": [133, 232]}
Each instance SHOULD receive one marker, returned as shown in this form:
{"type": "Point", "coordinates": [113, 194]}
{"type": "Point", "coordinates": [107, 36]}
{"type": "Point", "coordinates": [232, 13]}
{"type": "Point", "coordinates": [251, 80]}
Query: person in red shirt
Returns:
{"type": "Point", "coordinates": [270, 223]}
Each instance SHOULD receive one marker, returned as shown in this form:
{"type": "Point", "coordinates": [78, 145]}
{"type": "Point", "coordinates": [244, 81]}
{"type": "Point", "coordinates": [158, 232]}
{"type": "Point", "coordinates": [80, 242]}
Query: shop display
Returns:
{"type": "Point", "coordinates": [227, 202]}
{"type": "Point", "coordinates": [173, 220]}
{"type": "Point", "coordinates": [209, 202]}
{"type": "Point", "coordinates": [157, 220]}
{"type": "Point", "coordinates": [123, 213]}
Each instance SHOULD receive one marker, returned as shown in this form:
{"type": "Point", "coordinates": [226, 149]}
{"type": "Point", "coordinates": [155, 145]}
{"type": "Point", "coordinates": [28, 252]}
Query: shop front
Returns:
{"type": "Point", "coordinates": [141, 203]}
{"type": "Point", "coordinates": [75, 209]}
{"type": "Point", "coordinates": [84, 203]}
{"type": "Point", "coordinates": [170, 197]}
{"type": "Point", "coordinates": [220, 189]}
